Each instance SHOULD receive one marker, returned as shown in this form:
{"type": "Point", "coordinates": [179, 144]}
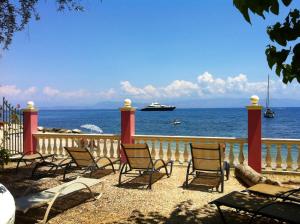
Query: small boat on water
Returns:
{"type": "Point", "coordinates": [176, 122]}
{"type": "Point", "coordinates": [268, 113]}
{"type": "Point", "coordinates": [158, 107]}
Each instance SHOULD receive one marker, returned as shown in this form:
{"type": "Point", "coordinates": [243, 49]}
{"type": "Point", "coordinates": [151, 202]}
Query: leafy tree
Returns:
{"type": "Point", "coordinates": [15, 14]}
{"type": "Point", "coordinates": [287, 59]}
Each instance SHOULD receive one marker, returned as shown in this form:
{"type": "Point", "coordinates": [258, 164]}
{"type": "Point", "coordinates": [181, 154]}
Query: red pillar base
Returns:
{"type": "Point", "coordinates": [30, 127]}
{"type": "Point", "coordinates": [127, 128]}
{"type": "Point", "coordinates": [254, 137]}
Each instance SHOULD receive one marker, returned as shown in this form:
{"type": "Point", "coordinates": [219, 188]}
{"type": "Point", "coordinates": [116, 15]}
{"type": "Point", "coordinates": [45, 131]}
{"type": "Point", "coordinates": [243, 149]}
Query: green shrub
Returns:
{"type": "Point", "coordinates": [4, 156]}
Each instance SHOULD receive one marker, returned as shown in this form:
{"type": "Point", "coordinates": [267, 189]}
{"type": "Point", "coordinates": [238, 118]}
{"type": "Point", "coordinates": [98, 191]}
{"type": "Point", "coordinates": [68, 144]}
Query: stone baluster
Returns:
{"type": "Point", "coordinates": [98, 152]}
{"type": "Point", "coordinates": [161, 151]}
{"type": "Point", "coordinates": [111, 151]}
{"type": "Point", "coordinates": [50, 148]}
{"type": "Point", "coordinates": [177, 152]}
{"type": "Point", "coordinates": [268, 156]}
{"type": "Point", "coordinates": [38, 147]}
{"type": "Point", "coordinates": [169, 152]}
{"type": "Point", "coordinates": [61, 148]}
{"type": "Point", "coordinates": [118, 148]}
{"type": "Point", "coordinates": [73, 142]}
{"type": "Point", "coordinates": [55, 149]}
{"type": "Point", "coordinates": [44, 149]}
{"type": "Point", "coordinates": [231, 155]}
{"type": "Point", "coordinates": [289, 160]}
{"type": "Point", "coordinates": [278, 157]}
{"type": "Point", "coordinates": [185, 153]}
{"type": "Point", "coordinates": [104, 148]}
{"type": "Point", "coordinates": [241, 153]}
{"type": "Point", "coordinates": [153, 151]}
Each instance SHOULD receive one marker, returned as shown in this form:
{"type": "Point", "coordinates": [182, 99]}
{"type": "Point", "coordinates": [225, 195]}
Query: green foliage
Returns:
{"type": "Point", "coordinates": [15, 14]}
{"type": "Point", "coordinates": [285, 60]}
{"type": "Point", "coordinates": [4, 156]}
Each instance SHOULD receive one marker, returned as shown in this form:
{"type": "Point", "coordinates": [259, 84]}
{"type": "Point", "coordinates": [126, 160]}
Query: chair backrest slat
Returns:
{"type": "Point", "coordinates": [207, 157]}
{"type": "Point", "coordinates": [81, 156]}
{"type": "Point", "coordinates": [138, 156]}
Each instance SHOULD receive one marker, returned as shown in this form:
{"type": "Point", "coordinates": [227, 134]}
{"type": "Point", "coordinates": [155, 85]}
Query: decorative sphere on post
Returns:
{"type": "Point", "coordinates": [30, 105]}
{"type": "Point", "coordinates": [127, 103]}
{"type": "Point", "coordinates": [254, 100]}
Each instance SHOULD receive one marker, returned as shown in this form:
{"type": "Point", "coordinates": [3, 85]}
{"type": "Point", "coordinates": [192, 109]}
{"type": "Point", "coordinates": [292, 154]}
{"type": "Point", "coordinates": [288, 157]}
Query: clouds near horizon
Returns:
{"type": "Point", "coordinates": [204, 86]}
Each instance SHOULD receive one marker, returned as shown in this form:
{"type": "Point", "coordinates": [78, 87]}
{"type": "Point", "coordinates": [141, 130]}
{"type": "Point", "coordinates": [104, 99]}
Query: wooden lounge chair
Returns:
{"type": "Point", "coordinates": [49, 196]}
{"type": "Point", "coordinates": [206, 166]}
{"type": "Point", "coordinates": [275, 192]}
{"type": "Point", "coordinates": [139, 159]}
{"type": "Point", "coordinates": [29, 159]}
{"type": "Point", "coordinates": [83, 160]}
{"type": "Point", "coordinates": [259, 206]}
{"type": "Point", "coordinates": [53, 164]}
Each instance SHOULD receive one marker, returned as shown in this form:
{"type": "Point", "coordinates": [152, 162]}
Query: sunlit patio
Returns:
{"type": "Point", "coordinates": [167, 202]}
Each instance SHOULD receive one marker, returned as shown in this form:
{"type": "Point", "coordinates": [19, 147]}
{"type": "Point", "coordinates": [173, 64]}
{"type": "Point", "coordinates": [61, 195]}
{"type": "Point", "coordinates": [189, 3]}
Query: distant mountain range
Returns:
{"type": "Point", "coordinates": [195, 103]}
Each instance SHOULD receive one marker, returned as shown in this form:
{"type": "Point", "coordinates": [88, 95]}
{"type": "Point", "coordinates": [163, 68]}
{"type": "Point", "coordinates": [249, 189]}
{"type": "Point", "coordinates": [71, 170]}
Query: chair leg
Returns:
{"type": "Point", "coordinates": [221, 214]}
{"type": "Point", "coordinates": [35, 169]}
{"type": "Point", "coordinates": [227, 169]}
{"type": "Point", "coordinates": [65, 171]}
{"type": "Point", "coordinates": [121, 172]}
{"type": "Point", "coordinates": [222, 184]}
{"type": "Point", "coordinates": [150, 179]}
{"type": "Point", "coordinates": [187, 175]}
{"type": "Point", "coordinates": [171, 168]}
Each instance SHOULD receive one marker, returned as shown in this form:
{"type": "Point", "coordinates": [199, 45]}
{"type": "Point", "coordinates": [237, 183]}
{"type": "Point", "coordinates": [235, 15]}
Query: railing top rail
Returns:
{"type": "Point", "coordinates": [281, 140]}
{"type": "Point", "coordinates": [74, 135]}
{"type": "Point", "coordinates": [187, 138]}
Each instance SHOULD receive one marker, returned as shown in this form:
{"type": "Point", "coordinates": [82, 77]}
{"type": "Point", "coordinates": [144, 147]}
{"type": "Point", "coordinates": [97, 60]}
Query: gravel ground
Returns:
{"type": "Point", "coordinates": [167, 202]}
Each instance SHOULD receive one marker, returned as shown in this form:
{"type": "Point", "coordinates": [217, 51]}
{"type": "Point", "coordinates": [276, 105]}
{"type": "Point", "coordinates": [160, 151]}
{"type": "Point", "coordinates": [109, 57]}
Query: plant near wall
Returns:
{"type": "Point", "coordinates": [4, 156]}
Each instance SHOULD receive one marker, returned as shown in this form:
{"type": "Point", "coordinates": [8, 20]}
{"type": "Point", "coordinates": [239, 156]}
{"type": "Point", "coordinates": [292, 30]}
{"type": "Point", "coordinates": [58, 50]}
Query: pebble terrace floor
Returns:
{"type": "Point", "coordinates": [167, 202]}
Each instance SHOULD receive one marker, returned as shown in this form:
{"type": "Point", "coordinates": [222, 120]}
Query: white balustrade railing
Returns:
{"type": "Point", "coordinates": [277, 154]}
{"type": "Point", "coordinates": [281, 154]}
{"type": "Point", "coordinates": [100, 145]}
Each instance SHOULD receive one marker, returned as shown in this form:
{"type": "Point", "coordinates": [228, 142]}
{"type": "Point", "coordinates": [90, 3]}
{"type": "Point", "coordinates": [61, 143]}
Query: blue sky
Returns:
{"type": "Point", "coordinates": [145, 50]}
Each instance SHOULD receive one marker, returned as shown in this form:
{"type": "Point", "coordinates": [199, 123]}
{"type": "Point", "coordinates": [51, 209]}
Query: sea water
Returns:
{"type": "Point", "coordinates": [217, 122]}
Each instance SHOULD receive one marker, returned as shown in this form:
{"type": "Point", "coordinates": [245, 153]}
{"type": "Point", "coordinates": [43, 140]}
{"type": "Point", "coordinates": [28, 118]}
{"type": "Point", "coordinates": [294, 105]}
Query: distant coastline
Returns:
{"type": "Point", "coordinates": [180, 104]}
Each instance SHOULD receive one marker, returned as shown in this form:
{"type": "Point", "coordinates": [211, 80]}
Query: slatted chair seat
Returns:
{"type": "Point", "coordinates": [276, 192]}
{"type": "Point", "coordinates": [280, 210]}
{"type": "Point", "coordinates": [49, 196]}
{"type": "Point", "coordinates": [53, 166]}
{"type": "Point", "coordinates": [29, 158]}
{"type": "Point", "coordinates": [206, 166]}
{"type": "Point", "coordinates": [139, 159]}
{"type": "Point", "coordinates": [83, 160]}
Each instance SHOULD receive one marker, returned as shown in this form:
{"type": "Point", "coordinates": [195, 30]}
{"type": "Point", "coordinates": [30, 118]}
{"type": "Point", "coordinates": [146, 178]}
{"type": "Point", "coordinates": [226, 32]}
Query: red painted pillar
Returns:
{"type": "Point", "coordinates": [254, 134]}
{"type": "Point", "coordinates": [30, 127]}
{"type": "Point", "coordinates": [127, 125]}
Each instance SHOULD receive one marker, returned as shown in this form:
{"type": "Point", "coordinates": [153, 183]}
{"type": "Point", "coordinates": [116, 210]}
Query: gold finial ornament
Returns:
{"type": "Point", "coordinates": [127, 103]}
{"type": "Point", "coordinates": [254, 100]}
{"type": "Point", "coordinates": [30, 105]}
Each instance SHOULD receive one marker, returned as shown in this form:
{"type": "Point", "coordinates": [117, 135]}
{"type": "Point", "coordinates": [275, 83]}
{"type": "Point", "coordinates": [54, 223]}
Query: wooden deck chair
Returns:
{"type": "Point", "coordinates": [53, 164]}
{"type": "Point", "coordinates": [206, 166]}
{"type": "Point", "coordinates": [259, 206]}
{"type": "Point", "coordinates": [83, 160]}
{"type": "Point", "coordinates": [275, 192]}
{"type": "Point", "coordinates": [139, 159]}
{"type": "Point", "coordinates": [28, 158]}
{"type": "Point", "coordinates": [49, 196]}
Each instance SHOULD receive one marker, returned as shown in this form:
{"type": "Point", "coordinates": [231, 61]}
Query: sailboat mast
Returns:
{"type": "Point", "coordinates": [268, 97]}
